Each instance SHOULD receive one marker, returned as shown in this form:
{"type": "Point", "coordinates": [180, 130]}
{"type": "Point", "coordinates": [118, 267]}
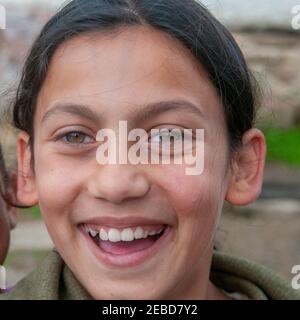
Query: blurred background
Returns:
{"type": "Point", "coordinates": [267, 231]}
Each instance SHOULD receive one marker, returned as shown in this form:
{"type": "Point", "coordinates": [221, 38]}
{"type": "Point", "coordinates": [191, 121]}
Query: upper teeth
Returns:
{"type": "Point", "coordinates": [127, 234]}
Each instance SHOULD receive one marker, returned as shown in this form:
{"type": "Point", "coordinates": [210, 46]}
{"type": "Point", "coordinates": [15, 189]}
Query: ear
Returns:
{"type": "Point", "coordinates": [247, 169]}
{"type": "Point", "coordinates": [26, 185]}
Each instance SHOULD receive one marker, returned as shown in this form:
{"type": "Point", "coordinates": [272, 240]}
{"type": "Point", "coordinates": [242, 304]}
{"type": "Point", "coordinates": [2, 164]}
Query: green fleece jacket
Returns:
{"type": "Point", "coordinates": [53, 280]}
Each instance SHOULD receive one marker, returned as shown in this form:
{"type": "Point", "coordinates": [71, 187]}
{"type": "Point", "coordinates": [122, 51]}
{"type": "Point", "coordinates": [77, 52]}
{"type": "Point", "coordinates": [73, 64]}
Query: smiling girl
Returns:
{"type": "Point", "coordinates": [137, 231]}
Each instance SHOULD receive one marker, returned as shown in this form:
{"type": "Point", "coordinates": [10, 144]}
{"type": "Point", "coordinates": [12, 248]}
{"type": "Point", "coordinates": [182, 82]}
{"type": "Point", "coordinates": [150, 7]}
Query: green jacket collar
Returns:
{"type": "Point", "coordinates": [53, 280]}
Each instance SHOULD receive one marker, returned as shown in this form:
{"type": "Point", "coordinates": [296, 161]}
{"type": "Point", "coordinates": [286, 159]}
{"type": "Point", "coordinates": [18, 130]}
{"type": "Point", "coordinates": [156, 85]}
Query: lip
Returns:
{"type": "Point", "coordinates": [127, 260]}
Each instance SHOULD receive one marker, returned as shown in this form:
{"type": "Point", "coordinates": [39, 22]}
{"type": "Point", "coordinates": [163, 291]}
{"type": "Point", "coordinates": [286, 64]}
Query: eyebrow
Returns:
{"type": "Point", "coordinates": [155, 108]}
{"type": "Point", "coordinates": [82, 111]}
{"type": "Point", "coordinates": [140, 114]}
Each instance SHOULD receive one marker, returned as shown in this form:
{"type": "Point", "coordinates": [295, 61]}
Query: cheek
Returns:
{"type": "Point", "coordinates": [193, 195]}
{"type": "Point", "coordinates": [57, 183]}
{"type": "Point", "coordinates": [197, 202]}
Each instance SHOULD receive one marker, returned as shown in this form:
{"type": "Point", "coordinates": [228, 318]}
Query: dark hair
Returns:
{"type": "Point", "coordinates": [185, 20]}
{"type": "Point", "coordinates": [4, 178]}
{"type": "Point", "coordinates": [7, 183]}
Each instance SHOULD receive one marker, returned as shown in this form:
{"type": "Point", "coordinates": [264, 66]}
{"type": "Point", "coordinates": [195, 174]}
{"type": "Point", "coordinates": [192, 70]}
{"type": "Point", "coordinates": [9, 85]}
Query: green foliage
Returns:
{"type": "Point", "coordinates": [283, 145]}
{"type": "Point", "coordinates": [32, 213]}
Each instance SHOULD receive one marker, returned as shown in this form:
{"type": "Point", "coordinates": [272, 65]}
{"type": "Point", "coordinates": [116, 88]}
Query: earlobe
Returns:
{"type": "Point", "coordinates": [26, 186]}
{"type": "Point", "coordinates": [247, 171]}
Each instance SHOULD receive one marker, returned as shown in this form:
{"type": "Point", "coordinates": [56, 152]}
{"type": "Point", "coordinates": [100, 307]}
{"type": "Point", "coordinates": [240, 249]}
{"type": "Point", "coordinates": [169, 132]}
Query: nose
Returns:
{"type": "Point", "coordinates": [118, 182]}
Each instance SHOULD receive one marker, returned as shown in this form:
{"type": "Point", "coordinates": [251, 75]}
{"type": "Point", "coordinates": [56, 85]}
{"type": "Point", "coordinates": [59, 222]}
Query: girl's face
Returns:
{"type": "Point", "coordinates": [93, 82]}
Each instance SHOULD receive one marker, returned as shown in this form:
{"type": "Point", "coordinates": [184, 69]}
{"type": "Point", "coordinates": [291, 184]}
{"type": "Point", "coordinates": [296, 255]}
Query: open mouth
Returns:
{"type": "Point", "coordinates": [125, 246]}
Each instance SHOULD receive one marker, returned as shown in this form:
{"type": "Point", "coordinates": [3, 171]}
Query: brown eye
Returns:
{"type": "Point", "coordinates": [77, 137]}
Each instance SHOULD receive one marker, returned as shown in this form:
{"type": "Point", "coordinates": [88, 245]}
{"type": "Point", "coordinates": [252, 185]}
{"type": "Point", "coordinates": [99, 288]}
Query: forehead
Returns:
{"type": "Point", "coordinates": [125, 68]}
